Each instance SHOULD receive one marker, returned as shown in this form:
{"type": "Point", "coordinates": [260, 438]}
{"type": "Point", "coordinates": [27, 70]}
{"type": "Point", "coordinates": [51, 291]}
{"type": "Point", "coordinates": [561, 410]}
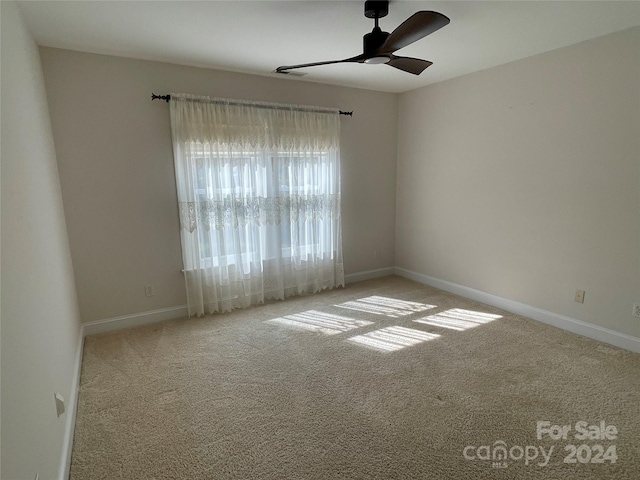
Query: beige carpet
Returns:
{"type": "Point", "coordinates": [384, 379]}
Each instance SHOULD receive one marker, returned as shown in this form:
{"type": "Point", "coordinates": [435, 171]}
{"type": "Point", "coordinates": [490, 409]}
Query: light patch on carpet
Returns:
{"type": "Point", "coordinates": [391, 339]}
{"type": "Point", "coordinates": [390, 307]}
{"type": "Point", "coordinates": [458, 319]}
{"type": "Point", "coordinates": [326, 323]}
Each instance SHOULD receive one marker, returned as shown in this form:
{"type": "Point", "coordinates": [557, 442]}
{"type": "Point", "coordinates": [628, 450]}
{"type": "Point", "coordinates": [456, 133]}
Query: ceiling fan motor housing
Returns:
{"type": "Point", "coordinates": [374, 40]}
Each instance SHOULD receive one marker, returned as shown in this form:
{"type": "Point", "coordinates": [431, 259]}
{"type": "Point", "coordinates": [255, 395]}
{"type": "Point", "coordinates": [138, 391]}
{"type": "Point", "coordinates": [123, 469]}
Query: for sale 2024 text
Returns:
{"type": "Point", "coordinates": [584, 432]}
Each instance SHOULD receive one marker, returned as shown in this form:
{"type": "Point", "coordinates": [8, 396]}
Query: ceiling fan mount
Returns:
{"type": "Point", "coordinates": [376, 9]}
{"type": "Point", "coordinates": [379, 46]}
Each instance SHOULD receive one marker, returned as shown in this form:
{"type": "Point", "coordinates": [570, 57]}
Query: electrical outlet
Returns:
{"type": "Point", "coordinates": [59, 403]}
{"type": "Point", "coordinates": [579, 298]}
{"type": "Point", "coordinates": [149, 291]}
{"type": "Point", "coordinates": [636, 310]}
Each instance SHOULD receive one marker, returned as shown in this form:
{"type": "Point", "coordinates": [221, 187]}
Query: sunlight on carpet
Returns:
{"type": "Point", "coordinates": [393, 338]}
{"type": "Point", "coordinates": [390, 307]}
{"type": "Point", "coordinates": [326, 323]}
{"type": "Point", "coordinates": [458, 319]}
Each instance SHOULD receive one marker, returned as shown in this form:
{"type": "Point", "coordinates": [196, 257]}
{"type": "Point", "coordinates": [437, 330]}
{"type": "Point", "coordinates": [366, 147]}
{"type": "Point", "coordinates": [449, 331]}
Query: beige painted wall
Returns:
{"type": "Point", "coordinates": [40, 319]}
{"type": "Point", "coordinates": [523, 181]}
{"type": "Point", "coordinates": [116, 169]}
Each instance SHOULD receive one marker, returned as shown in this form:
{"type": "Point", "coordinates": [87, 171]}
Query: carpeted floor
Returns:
{"type": "Point", "coordinates": [384, 379]}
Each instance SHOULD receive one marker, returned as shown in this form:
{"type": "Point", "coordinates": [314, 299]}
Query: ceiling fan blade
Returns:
{"type": "Point", "coordinates": [283, 69]}
{"type": "Point", "coordinates": [417, 26]}
{"type": "Point", "coordinates": [408, 64]}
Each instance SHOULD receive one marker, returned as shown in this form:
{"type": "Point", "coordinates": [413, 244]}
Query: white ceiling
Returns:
{"type": "Point", "coordinates": [258, 36]}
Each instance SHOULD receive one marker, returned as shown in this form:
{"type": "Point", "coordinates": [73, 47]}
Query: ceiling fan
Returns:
{"type": "Point", "coordinates": [379, 46]}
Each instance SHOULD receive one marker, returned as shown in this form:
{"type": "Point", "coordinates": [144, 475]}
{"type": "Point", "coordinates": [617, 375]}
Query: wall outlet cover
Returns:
{"type": "Point", "coordinates": [59, 403]}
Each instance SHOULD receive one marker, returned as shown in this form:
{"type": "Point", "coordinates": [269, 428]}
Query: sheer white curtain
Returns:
{"type": "Point", "coordinates": [259, 195]}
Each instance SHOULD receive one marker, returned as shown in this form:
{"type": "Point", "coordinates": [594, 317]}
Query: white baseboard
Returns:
{"type": "Point", "coordinates": [133, 320]}
{"type": "Point", "coordinates": [580, 327]}
{"type": "Point", "coordinates": [369, 275]}
{"type": "Point", "coordinates": [72, 408]}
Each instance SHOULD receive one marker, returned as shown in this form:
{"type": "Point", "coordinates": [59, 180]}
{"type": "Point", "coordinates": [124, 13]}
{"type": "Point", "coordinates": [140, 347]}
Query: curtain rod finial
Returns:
{"type": "Point", "coordinates": [161, 97]}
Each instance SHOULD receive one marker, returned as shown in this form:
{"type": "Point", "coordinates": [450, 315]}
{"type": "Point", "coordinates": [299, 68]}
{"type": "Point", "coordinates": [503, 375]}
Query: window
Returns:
{"type": "Point", "coordinates": [243, 175]}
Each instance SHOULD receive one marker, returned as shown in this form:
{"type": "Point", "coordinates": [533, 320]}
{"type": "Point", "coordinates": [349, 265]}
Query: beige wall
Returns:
{"type": "Point", "coordinates": [523, 181]}
{"type": "Point", "coordinates": [40, 319]}
{"type": "Point", "coordinates": [116, 169]}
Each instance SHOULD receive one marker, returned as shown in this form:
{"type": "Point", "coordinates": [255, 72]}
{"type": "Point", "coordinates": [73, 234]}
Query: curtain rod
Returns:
{"type": "Point", "coordinates": [168, 97]}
